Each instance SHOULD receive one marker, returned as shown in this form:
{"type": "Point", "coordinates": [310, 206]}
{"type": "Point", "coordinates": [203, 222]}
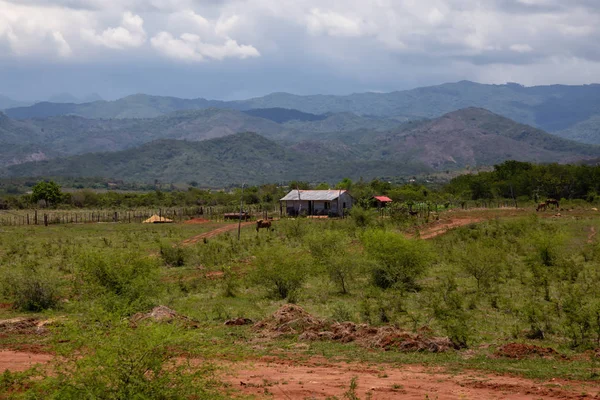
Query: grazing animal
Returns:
{"type": "Point", "coordinates": [261, 223]}
{"type": "Point", "coordinates": [553, 202]}
{"type": "Point", "coordinates": [541, 206]}
{"type": "Point", "coordinates": [413, 213]}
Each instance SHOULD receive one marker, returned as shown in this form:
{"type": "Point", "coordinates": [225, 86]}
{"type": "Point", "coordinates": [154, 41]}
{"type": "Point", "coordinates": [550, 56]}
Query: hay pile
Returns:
{"type": "Point", "coordinates": [293, 320]}
{"type": "Point", "coordinates": [166, 315]}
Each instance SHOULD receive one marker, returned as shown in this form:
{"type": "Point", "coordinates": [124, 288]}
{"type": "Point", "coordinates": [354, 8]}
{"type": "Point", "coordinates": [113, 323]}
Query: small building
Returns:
{"type": "Point", "coordinates": [381, 201]}
{"type": "Point", "coordinates": [317, 202]}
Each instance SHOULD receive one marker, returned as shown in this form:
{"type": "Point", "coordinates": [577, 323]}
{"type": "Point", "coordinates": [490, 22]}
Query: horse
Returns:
{"type": "Point", "coordinates": [553, 202]}
{"type": "Point", "coordinates": [541, 206]}
{"type": "Point", "coordinates": [261, 223]}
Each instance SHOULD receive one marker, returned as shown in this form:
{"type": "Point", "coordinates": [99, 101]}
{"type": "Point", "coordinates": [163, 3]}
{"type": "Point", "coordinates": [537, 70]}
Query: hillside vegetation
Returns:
{"type": "Point", "coordinates": [551, 108]}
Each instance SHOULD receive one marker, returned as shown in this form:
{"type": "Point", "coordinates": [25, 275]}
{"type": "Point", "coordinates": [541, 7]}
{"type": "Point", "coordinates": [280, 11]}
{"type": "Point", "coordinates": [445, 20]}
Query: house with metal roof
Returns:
{"type": "Point", "coordinates": [317, 202]}
{"type": "Point", "coordinates": [380, 201]}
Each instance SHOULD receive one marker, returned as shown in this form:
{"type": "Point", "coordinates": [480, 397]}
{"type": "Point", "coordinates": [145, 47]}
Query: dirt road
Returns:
{"type": "Point", "coordinates": [218, 231]}
{"type": "Point", "coordinates": [281, 379]}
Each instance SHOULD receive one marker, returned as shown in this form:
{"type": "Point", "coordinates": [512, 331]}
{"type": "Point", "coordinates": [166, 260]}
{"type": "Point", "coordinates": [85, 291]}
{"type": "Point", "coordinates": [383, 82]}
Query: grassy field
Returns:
{"type": "Point", "coordinates": [500, 277]}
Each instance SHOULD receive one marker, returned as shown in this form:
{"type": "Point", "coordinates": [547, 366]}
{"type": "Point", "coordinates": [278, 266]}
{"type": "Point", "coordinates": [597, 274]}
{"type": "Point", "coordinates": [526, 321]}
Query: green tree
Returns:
{"type": "Point", "coordinates": [48, 191]}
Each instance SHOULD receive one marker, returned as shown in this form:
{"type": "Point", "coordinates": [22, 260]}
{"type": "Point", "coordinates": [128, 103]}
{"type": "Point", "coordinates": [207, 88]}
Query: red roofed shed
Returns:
{"type": "Point", "coordinates": [381, 201]}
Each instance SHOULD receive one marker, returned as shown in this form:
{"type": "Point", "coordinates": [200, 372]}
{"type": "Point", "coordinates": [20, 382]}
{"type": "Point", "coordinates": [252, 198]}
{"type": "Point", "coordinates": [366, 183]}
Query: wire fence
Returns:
{"type": "Point", "coordinates": [47, 217]}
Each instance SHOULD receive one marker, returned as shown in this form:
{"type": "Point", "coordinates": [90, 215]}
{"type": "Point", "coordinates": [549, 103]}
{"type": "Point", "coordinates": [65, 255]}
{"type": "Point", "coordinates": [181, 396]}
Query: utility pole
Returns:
{"type": "Point", "coordinates": [241, 209]}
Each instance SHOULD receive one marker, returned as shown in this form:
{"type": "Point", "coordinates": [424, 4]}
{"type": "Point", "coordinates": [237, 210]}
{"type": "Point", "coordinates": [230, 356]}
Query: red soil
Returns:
{"type": "Point", "coordinates": [21, 361]}
{"type": "Point", "coordinates": [319, 379]}
{"type": "Point", "coordinates": [196, 221]}
{"type": "Point", "coordinates": [215, 232]}
{"type": "Point", "coordinates": [443, 226]}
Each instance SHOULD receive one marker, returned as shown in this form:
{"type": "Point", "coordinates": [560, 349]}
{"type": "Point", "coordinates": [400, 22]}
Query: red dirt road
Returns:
{"type": "Point", "coordinates": [218, 231]}
{"type": "Point", "coordinates": [21, 361]}
{"type": "Point", "coordinates": [441, 227]}
{"type": "Point", "coordinates": [320, 379]}
{"type": "Point", "coordinates": [283, 380]}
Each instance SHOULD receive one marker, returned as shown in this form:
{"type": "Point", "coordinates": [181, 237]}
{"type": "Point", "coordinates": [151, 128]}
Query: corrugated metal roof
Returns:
{"type": "Point", "coordinates": [313, 195]}
{"type": "Point", "coordinates": [383, 199]}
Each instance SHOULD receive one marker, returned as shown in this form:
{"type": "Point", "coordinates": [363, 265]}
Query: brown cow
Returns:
{"type": "Point", "coordinates": [541, 206]}
{"type": "Point", "coordinates": [553, 202]}
{"type": "Point", "coordinates": [261, 223]}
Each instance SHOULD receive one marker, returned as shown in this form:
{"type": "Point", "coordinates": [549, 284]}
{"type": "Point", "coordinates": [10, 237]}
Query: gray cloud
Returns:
{"type": "Point", "coordinates": [387, 46]}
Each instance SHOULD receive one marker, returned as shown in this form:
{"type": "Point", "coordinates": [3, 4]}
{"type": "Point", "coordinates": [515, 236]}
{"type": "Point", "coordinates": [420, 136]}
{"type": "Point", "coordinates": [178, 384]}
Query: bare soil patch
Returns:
{"type": "Point", "coordinates": [292, 319]}
{"type": "Point", "coordinates": [443, 226]}
{"type": "Point", "coordinates": [22, 360]}
{"type": "Point", "coordinates": [194, 221]}
{"type": "Point", "coordinates": [319, 379]}
{"type": "Point", "coordinates": [213, 233]}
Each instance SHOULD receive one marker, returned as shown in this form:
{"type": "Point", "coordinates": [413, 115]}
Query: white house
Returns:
{"type": "Point", "coordinates": [317, 202]}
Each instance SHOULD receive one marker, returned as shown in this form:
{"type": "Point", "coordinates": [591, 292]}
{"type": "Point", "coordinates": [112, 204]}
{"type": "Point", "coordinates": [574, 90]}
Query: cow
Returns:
{"type": "Point", "coordinates": [553, 202]}
{"type": "Point", "coordinates": [541, 206]}
{"type": "Point", "coordinates": [261, 223]}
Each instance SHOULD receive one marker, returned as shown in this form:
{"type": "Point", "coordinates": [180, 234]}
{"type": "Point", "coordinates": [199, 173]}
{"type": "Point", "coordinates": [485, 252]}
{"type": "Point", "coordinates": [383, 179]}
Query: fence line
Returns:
{"type": "Point", "coordinates": [177, 214]}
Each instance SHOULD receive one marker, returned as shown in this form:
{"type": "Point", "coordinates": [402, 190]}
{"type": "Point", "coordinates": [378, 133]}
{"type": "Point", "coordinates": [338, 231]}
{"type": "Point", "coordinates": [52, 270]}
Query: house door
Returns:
{"type": "Point", "coordinates": [310, 208]}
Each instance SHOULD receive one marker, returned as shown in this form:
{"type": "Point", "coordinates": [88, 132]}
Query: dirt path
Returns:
{"type": "Point", "coordinates": [441, 227]}
{"type": "Point", "coordinates": [215, 232]}
{"type": "Point", "coordinates": [320, 380]}
{"type": "Point", "coordinates": [21, 361]}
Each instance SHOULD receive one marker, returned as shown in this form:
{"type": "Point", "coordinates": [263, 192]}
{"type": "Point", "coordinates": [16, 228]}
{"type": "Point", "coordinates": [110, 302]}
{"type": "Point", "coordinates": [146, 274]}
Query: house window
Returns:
{"type": "Point", "coordinates": [344, 205]}
{"type": "Point", "coordinates": [326, 205]}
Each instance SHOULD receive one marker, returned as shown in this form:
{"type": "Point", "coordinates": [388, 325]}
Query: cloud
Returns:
{"type": "Point", "coordinates": [190, 47]}
{"type": "Point", "coordinates": [129, 35]}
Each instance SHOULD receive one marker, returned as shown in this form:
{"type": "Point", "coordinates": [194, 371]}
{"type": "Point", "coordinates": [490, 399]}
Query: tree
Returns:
{"type": "Point", "coordinates": [48, 191]}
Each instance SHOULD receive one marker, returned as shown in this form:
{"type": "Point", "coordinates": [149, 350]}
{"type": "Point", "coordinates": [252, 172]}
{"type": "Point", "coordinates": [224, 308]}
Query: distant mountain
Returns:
{"type": "Point", "coordinates": [135, 106]}
{"type": "Point", "coordinates": [477, 137]}
{"type": "Point", "coordinates": [282, 115]}
{"type": "Point", "coordinates": [69, 135]}
{"type": "Point", "coordinates": [6, 102]}
{"type": "Point", "coordinates": [20, 142]}
{"type": "Point", "coordinates": [69, 98]}
{"type": "Point", "coordinates": [551, 108]}
{"type": "Point", "coordinates": [587, 131]}
{"type": "Point", "coordinates": [468, 137]}
{"type": "Point", "coordinates": [243, 157]}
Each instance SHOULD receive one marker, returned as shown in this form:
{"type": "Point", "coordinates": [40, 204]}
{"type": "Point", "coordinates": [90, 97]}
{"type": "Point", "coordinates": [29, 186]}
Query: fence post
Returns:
{"type": "Point", "coordinates": [27, 218]}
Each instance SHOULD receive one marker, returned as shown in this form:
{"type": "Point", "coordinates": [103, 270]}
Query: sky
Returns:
{"type": "Point", "coordinates": [236, 49]}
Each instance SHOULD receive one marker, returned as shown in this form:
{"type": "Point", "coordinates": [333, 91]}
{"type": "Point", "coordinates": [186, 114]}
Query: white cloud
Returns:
{"type": "Point", "coordinates": [190, 47]}
{"type": "Point", "coordinates": [521, 48]}
{"type": "Point", "coordinates": [333, 24]}
{"type": "Point", "coordinates": [130, 34]}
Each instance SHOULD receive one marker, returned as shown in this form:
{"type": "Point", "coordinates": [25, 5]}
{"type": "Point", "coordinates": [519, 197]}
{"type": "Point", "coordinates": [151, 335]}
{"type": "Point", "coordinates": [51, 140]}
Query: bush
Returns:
{"type": "Point", "coordinates": [31, 287]}
{"type": "Point", "coordinates": [173, 256]}
{"type": "Point", "coordinates": [128, 363]}
{"type": "Point", "coordinates": [362, 217]}
{"type": "Point", "coordinates": [124, 282]}
{"type": "Point", "coordinates": [282, 270]}
{"type": "Point", "coordinates": [398, 261]}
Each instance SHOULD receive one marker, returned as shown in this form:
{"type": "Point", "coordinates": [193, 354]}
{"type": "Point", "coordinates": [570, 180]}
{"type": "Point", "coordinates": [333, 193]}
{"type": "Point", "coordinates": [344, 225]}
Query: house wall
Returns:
{"type": "Point", "coordinates": [318, 207]}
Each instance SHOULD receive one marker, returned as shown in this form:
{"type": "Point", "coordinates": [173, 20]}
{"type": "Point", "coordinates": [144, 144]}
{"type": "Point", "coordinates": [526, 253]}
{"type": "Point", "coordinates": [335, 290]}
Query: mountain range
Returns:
{"type": "Point", "coordinates": [556, 108]}
{"type": "Point", "coordinates": [215, 146]}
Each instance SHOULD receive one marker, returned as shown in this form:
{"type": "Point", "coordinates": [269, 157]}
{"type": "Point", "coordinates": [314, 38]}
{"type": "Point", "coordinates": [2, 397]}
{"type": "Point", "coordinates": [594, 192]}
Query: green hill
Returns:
{"type": "Point", "coordinates": [552, 108]}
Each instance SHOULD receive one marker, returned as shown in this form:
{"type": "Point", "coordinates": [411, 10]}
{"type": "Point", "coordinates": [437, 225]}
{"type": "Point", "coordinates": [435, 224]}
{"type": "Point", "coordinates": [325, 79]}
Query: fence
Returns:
{"type": "Point", "coordinates": [53, 217]}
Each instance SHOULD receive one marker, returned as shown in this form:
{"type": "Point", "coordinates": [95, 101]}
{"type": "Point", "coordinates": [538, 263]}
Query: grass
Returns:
{"type": "Point", "coordinates": [540, 274]}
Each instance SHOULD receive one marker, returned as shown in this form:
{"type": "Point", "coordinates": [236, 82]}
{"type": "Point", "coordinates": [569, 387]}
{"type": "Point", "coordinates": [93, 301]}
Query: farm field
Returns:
{"type": "Point", "coordinates": [500, 303]}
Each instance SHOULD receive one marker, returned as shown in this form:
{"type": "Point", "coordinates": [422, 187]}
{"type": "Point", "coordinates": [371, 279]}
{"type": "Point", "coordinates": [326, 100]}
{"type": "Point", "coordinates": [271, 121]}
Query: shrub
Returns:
{"type": "Point", "coordinates": [124, 282]}
{"type": "Point", "coordinates": [362, 217]}
{"type": "Point", "coordinates": [31, 287]}
{"type": "Point", "coordinates": [282, 270]}
{"type": "Point", "coordinates": [128, 363]}
{"type": "Point", "coordinates": [398, 260]}
{"type": "Point", "coordinates": [174, 256]}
